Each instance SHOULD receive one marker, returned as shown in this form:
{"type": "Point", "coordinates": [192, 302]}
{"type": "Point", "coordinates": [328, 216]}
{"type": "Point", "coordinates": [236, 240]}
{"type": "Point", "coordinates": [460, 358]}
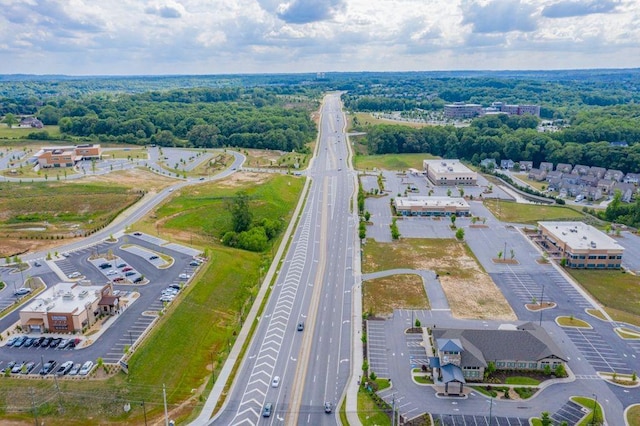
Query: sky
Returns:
{"type": "Point", "coordinates": [132, 37]}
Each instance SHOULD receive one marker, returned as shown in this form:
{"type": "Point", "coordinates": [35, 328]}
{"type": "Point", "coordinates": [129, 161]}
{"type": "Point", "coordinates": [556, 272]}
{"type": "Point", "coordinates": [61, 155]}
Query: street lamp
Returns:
{"type": "Point", "coordinates": [541, 306]}
{"type": "Point", "coordinates": [490, 410]}
{"type": "Point", "coordinates": [595, 410]}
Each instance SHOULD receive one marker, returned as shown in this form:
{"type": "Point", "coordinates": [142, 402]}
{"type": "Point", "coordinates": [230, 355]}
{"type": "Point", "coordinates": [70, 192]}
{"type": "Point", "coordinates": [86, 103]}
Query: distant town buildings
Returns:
{"type": "Point", "coordinates": [582, 245]}
{"type": "Point", "coordinates": [449, 172]}
{"type": "Point", "coordinates": [431, 206]}
{"type": "Point", "coordinates": [460, 110]}
{"type": "Point", "coordinates": [66, 156]}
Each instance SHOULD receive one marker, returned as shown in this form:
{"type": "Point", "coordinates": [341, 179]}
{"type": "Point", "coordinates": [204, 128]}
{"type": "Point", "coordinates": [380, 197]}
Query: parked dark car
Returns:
{"type": "Point", "coordinates": [105, 265]}
{"type": "Point", "coordinates": [138, 280]}
{"type": "Point", "coordinates": [46, 342]}
{"type": "Point", "coordinates": [48, 367]}
{"type": "Point", "coordinates": [154, 257]}
{"type": "Point", "coordinates": [20, 341]}
{"type": "Point", "coordinates": [55, 342]}
{"type": "Point", "coordinates": [38, 342]}
{"type": "Point", "coordinates": [129, 273]}
{"type": "Point", "coordinates": [29, 342]}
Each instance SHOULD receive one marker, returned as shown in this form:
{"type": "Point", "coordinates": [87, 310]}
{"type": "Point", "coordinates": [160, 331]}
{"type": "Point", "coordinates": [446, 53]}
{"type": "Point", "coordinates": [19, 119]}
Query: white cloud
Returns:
{"type": "Point", "coordinates": [201, 36]}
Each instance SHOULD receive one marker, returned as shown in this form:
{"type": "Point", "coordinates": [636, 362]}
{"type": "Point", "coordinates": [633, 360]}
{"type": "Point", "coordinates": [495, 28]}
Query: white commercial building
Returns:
{"type": "Point", "coordinates": [582, 245]}
{"type": "Point", "coordinates": [449, 172]}
{"type": "Point", "coordinates": [431, 206]}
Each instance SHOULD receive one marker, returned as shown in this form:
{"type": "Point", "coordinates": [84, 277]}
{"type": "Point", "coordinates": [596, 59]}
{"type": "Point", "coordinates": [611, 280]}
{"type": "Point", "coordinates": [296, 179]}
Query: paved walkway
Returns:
{"type": "Point", "coordinates": [437, 298]}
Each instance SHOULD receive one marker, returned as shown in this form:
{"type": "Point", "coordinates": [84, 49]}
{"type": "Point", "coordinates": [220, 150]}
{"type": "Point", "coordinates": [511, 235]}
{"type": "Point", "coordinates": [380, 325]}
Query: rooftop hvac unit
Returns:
{"type": "Point", "coordinates": [593, 244]}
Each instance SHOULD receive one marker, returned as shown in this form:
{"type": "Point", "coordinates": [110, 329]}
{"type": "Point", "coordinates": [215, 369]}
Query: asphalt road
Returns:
{"type": "Point", "coordinates": [313, 286]}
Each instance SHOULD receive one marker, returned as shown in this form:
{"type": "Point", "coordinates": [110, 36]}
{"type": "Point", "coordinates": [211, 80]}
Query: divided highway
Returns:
{"type": "Point", "coordinates": [314, 288]}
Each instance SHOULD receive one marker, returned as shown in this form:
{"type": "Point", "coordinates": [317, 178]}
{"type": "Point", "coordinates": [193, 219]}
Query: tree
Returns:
{"type": "Point", "coordinates": [545, 419]}
{"type": "Point", "coordinates": [10, 120]}
{"type": "Point", "coordinates": [448, 193]}
{"type": "Point", "coordinates": [417, 323]}
{"type": "Point", "coordinates": [461, 191]}
{"type": "Point", "coordinates": [513, 254]}
{"type": "Point", "coordinates": [240, 214]}
{"type": "Point", "coordinates": [453, 220]}
{"type": "Point", "coordinates": [367, 216]}
{"type": "Point", "coordinates": [500, 255]}
{"type": "Point", "coordinates": [460, 234]}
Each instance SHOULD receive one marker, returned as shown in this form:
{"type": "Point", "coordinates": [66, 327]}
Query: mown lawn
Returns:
{"type": "Point", "coordinates": [618, 292]}
{"type": "Point", "coordinates": [633, 415]}
{"type": "Point", "coordinates": [507, 211]}
{"type": "Point", "coordinates": [369, 413]}
{"type": "Point", "coordinates": [589, 404]}
{"type": "Point", "coordinates": [519, 380]}
{"type": "Point", "coordinates": [390, 161]}
{"type": "Point", "coordinates": [20, 133]}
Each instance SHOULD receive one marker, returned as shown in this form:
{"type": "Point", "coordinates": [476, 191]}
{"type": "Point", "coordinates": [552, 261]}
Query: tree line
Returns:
{"type": "Point", "coordinates": [202, 118]}
{"type": "Point", "coordinates": [509, 137]}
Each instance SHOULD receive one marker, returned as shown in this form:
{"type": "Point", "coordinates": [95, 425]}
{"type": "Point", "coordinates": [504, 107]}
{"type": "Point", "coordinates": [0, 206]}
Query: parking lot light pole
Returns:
{"type": "Point", "coordinates": [144, 410]}
{"type": "Point", "coordinates": [595, 410]}
{"type": "Point", "coordinates": [541, 306]}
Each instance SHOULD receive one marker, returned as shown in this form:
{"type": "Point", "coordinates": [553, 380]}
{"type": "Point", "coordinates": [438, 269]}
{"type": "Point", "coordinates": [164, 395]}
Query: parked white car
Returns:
{"type": "Point", "coordinates": [86, 368]}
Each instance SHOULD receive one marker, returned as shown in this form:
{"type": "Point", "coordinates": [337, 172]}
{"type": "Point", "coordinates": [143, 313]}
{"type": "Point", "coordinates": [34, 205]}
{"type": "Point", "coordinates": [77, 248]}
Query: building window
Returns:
{"type": "Point", "coordinates": [511, 364]}
{"type": "Point", "coordinates": [522, 365]}
{"type": "Point", "coordinates": [533, 365]}
{"type": "Point", "coordinates": [500, 364]}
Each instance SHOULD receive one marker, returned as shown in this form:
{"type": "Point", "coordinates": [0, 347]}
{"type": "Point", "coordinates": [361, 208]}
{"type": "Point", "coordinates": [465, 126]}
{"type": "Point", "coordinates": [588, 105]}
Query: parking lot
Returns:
{"type": "Point", "coordinates": [570, 412]}
{"type": "Point", "coordinates": [597, 351]}
{"type": "Point", "coordinates": [163, 281]}
{"type": "Point", "coordinates": [377, 348]}
{"type": "Point", "coordinates": [468, 420]}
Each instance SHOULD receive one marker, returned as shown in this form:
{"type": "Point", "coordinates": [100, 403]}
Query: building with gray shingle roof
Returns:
{"type": "Point", "coordinates": [528, 347]}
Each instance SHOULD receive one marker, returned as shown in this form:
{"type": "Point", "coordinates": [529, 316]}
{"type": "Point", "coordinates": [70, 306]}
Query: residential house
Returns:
{"type": "Point", "coordinates": [569, 190]}
{"type": "Point", "coordinates": [554, 184]}
{"type": "Point", "coordinates": [31, 122]}
{"type": "Point", "coordinates": [606, 185]}
{"type": "Point", "coordinates": [615, 175]}
{"type": "Point", "coordinates": [488, 163]}
{"type": "Point", "coordinates": [546, 166]}
{"type": "Point", "coordinates": [552, 174]}
{"type": "Point", "coordinates": [588, 180]}
{"type": "Point", "coordinates": [591, 193]}
{"type": "Point", "coordinates": [627, 191]}
{"type": "Point", "coordinates": [621, 144]}
{"type": "Point", "coordinates": [525, 166]}
{"type": "Point", "coordinates": [464, 354]}
{"type": "Point", "coordinates": [632, 178]}
{"type": "Point", "coordinates": [564, 167]}
{"type": "Point", "coordinates": [597, 172]}
{"type": "Point", "coordinates": [537, 175]}
{"type": "Point", "coordinates": [506, 164]}
{"type": "Point", "coordinates": [580, 169]}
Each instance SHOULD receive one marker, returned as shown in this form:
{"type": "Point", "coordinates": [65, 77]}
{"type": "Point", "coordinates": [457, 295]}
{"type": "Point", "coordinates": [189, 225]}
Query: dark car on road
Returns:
{"type": "Point", "coordinates": [48, 367]}
{"type": "Point", "coordinates": [327, 407]}
{"type": "Point", "coordinates": [266, 410]}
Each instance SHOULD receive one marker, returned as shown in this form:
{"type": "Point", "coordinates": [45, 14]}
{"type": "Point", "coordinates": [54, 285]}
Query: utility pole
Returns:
{"type": "Point", "coordinates": [166, 414]}
{"type": "Point", "coordinates": [144, 409]}
{"type": "Point", "coordinates": [490, 413]}
{"type": "Point", "coordinates": [541, 307]}
{"type": "Point", "coordinates": [33, 405]}
{"type": "Point", "coordinates": [55, 379]}
{"type": "Point", "coordinates": [393, 410]}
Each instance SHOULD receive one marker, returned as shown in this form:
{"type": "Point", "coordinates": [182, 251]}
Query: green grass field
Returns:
{"type": "Point", "coordinates": [369, 413]}
{"type": "Point", "coordinates": [507, 211]}
{"type": "Point", "coordinates": [390, 161]}
{"type": "Point", "coordinates": [618, 292]}
{"type": "Point", "coordinates": [633, 415]}
{"type": "Point", "coordinates": [519, 380]}
{"type": "Point", "coordinates": [368, 119]}
{"type": "Point", "coordinates": [22, 133]}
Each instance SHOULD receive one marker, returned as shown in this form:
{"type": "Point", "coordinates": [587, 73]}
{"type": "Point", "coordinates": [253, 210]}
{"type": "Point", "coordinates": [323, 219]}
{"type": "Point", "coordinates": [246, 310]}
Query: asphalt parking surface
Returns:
{"type": "Point", "coordinates": [570, 412]}
{"type": "Point", "coordinates": [377, 348]}
{"type": "Point", "coordinates": [597, 351]}
{"type": "Point", "coordinates": [468, 420]}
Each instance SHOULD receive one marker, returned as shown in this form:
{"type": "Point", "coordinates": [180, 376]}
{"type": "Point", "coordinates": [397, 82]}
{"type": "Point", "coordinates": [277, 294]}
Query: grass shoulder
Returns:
{"type": "Point", "coordinates": [509, 211]}
{"type": "Point", "coordinates": [390, 161]}
{"type": "Point", "coordinates": [616, 290]}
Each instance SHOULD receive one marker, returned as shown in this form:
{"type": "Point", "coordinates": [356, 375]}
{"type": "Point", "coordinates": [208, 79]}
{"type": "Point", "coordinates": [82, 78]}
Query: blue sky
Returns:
{"type": "Point", "coordinates": [89, 37]}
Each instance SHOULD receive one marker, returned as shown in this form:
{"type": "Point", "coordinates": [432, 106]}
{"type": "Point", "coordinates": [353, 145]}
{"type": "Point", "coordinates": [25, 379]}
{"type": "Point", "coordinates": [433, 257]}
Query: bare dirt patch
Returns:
{"type": "Point", "coordinates": [134, 178]}
{"type": "Point", "coordinates": [469, 289]}
{"type": "Point", "coordinates": [382, 295]}
{"type": "Point", "coordinates": [242, 178]}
